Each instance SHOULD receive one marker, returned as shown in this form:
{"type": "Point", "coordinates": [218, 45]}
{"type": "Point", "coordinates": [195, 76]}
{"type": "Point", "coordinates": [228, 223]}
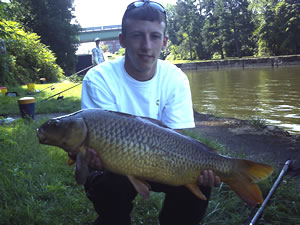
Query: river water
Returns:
{"type": "Point", "coordinates": [270, 94]}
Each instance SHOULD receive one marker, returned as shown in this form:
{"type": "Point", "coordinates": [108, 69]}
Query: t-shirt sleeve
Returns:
{"type": "Point", "coordinates": [96, 93]}
{"type": "Point", "coordinates": [178, 111]}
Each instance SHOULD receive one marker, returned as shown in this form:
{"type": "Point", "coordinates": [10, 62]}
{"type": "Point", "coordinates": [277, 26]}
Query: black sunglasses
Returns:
{"type": "Point", "coordinates": [138, 4]}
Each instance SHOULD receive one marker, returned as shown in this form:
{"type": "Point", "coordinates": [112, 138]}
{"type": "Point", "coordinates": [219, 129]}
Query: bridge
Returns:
{"type": "Point", "coordinates": [105, 33]}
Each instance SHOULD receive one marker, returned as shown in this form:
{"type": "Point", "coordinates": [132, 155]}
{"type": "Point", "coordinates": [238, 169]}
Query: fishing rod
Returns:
{"type": "Point", "coordinates": [275, 185]}
{"type": "Point", "coordinates": [60, 93]}
{"type": "Point", "coordinates": [67, 78]}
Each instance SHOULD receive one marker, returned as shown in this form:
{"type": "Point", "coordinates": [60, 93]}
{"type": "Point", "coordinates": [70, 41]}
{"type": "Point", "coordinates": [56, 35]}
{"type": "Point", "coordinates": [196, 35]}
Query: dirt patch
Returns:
{"type": "Point", "coordinates": [268, 143]}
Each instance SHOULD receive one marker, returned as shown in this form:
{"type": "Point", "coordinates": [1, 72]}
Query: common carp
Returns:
{"type": "Point", "coordinates": [145, 150]}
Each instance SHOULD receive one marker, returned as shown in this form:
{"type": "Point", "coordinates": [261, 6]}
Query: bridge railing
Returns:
{"type": "Point", "coordinates": [109, 27]}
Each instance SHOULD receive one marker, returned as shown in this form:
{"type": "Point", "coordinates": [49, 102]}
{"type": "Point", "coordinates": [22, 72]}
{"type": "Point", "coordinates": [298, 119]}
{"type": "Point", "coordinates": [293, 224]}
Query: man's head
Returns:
{"type": "Point", "coordinates": [143, 37]}
{"type": "Point", "coordinates": [97, 41]}
{"type": "Point", "coordinates": [144, 10]}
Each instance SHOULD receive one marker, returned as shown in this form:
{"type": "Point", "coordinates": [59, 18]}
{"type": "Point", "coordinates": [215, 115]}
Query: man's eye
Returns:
{"type": "Point", "coordinates": [136, 35]}
{"type": "Point", "coordinates": [156, 37]}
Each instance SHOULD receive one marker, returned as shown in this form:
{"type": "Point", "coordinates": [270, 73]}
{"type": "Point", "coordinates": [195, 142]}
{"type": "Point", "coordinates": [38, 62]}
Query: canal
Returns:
{"type": "Point", "coordinates": [268, 93]}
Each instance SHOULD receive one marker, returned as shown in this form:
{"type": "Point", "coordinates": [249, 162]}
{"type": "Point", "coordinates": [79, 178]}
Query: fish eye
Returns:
{"type": "Point", "coordinates": [57, 123]}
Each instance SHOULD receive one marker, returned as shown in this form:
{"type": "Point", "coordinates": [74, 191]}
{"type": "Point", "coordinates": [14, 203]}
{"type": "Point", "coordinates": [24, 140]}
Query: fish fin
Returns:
{"type": "Point", "coordinates": [140, 186]}
{"type": "Point", "coordinates": [81, 170]}
{"type": "Point", "coordinates": [194, 188]}
{"type": "Point", "coordinates": [244, 177]}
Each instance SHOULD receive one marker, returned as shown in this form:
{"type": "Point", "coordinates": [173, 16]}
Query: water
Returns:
{"type": "Point", "coordinates": [271, 94]}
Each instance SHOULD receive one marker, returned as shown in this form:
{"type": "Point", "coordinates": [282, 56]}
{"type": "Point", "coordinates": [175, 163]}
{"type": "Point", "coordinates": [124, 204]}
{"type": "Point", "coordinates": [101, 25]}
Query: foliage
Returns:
{"type": "Point", "coordinates": [233, 28]}
{"type": "Point", "coordinates": [120, 52]}
{"type": "Point", "coordinates": [27, 59]}
{"type": "Point", "coordinates": [279, 30]}
{"type": "Point", "coordinates": [51, 20]}
{"type": "Point", "coordinates": [105, 48]}
{"type": "Point", "coordinates": [258, 122]}
{"type": "Point", "coordinates": [3, 9]}
{"type": "Point", "coordinates": [185, 21]}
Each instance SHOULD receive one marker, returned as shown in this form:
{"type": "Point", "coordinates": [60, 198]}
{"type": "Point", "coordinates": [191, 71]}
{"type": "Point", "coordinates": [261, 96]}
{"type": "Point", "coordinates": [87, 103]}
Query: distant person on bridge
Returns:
{"type": "Point", "coordinates": [97, 54]}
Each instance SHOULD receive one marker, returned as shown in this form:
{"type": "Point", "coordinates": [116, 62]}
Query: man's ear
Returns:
{"type": "Point", "coordinates": [122, 40]}
{"type": "Point", "coordinates": [165, 43]}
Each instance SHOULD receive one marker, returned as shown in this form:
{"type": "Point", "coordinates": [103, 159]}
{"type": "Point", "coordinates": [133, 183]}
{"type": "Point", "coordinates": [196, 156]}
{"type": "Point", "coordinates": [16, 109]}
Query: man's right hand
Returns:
{"type": "Point", "coordinates": [92, 159]}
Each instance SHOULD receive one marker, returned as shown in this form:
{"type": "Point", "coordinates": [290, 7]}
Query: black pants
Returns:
{"type": "Point", "coordinates": [112, 196]}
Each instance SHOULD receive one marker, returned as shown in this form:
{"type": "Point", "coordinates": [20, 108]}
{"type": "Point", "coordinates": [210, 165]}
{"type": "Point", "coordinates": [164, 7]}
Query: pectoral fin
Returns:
{"type": "Point", "coordinates": [81, 170]}
{"type": "Point", "coordinates": [140, 186]}
{"type": "Point", "coordinates": [194, 188]}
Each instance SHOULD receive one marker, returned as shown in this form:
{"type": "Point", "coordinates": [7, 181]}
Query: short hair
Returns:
{"type": "Point", "coordinates": [145, 12]}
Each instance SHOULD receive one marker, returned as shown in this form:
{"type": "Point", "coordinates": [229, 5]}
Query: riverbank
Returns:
{"type": "Point", "coordinates": [265, 143]}
{"type": "Point", "coordinates": [275, 61]}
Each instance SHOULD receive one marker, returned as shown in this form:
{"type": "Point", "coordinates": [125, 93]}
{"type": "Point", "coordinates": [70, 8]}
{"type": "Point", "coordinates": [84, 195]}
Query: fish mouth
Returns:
{"type": "Point", "coordinates": [40, 135]}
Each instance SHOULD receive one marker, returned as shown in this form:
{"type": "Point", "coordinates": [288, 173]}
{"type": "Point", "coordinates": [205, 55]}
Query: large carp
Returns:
{"type": "Point", "coordinates": [144, 149]}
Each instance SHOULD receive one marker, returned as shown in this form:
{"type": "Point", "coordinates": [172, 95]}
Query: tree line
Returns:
{"type": "Point", "coordinates": [197, 29]}
{"type": "Point", "coordinates": [215, 29]}
{"type": "Point", "coordinates": [51, 21]}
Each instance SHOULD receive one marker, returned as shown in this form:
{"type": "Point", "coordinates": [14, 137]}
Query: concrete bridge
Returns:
{"type": "Point", "coordinates": [105, 33]}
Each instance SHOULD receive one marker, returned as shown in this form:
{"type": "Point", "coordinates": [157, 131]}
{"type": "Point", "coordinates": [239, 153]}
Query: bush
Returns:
{"type": "Point", "coordinates": [27, 59]}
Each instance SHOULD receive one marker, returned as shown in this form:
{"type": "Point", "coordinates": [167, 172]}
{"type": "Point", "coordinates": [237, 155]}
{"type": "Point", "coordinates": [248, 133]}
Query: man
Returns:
{"type": "Point", "coordinates": [142, 85]}
{"type": "Point", "coordinates": [97, 54]}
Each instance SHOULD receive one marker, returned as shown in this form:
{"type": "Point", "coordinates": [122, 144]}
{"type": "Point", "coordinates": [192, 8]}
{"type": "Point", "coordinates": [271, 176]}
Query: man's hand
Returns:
{"type": "Point", "coordinates": [92, 159]}
{"type": "Point", "coordinates": [207, 178]}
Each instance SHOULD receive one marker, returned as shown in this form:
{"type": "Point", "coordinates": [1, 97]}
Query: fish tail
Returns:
{"type": "Point", "coordinates": [243, 179]}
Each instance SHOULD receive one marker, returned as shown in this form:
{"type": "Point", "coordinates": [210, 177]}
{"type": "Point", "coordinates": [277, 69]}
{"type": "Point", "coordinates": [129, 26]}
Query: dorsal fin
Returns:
{"type": "Point", "coordinates": [145, 119]}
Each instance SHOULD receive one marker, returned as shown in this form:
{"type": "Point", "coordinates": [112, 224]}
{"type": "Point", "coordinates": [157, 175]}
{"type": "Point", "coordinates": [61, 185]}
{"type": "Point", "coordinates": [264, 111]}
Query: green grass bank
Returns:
{"type": "Point", "coordinates": [38, 187]}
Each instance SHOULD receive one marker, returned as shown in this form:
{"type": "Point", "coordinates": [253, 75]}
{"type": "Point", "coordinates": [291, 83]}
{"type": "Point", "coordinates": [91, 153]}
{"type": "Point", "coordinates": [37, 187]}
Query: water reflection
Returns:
{"type": "Point", "coordinates": [270, 93]}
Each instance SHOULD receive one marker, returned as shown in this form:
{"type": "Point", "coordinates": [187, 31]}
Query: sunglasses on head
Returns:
{"type": "Point", "coordinates": [138, 4]}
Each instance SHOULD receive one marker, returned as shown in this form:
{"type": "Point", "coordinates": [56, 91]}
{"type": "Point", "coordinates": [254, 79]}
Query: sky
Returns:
{"type": "Point", "coordinates": [94, 13]}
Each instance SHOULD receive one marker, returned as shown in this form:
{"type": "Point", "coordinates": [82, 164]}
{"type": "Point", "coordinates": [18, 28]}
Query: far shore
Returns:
{"type": "Point", "coordinates": [272, 61]}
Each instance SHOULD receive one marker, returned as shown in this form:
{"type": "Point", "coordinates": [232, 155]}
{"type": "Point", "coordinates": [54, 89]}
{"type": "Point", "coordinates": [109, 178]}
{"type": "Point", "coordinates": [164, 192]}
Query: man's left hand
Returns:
{"type": "Point", "coordinates": [207, 178]}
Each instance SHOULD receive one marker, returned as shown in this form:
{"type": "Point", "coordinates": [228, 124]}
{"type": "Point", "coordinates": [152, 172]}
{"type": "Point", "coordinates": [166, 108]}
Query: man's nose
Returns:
{"type": "Point", "coordinates": [146, 42]}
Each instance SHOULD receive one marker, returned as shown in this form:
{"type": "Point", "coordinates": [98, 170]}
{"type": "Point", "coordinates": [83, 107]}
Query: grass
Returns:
{"type": "Point", "coordinates": [38, 187]}
{"type": "Point", "coordinates": [258, 122]}
{"type": "Point", "coordinates": [70, 102]}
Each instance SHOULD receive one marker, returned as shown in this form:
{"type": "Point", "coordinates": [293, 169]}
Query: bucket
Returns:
{"type": "Point", "coordinates": [26, 106]}
{"type": "Point", "coordinates": [31, 87]}
{"type": "Point", "coordinates": [43, 80]}
{"type": "Point", "coordinates": [3, 90]}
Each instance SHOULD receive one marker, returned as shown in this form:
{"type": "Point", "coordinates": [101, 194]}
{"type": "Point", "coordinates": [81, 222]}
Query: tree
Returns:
{"type": "Point", "coordinates": [202, 29]}
{"type": "Point", "coordinates": [51, 20]}
{"type": "Point", "coordinates": [185, 23]}
{"type": "Point", "coordinates": [214, 30]}
{"type": "Point", "coordinates": [279, 30]}
{"type": "Point", "coordinates": [26, 59]}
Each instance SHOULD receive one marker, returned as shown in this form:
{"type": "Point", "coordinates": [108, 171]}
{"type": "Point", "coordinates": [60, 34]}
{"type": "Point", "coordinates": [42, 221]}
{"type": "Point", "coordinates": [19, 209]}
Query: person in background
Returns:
{"type": "Point", "coordinates": [141, 84]}
{"type": "Point", "coordinates": [97, 54]}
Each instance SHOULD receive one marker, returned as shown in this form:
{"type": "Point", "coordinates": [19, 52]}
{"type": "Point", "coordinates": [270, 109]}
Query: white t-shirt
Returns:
{"type": "Point", "coordinates": [97, 56]}
{"type": "Point", "coordinates": [166, 97]}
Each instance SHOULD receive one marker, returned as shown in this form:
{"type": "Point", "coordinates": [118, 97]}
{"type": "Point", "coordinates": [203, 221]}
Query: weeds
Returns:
{"type": "Point", "coordinates": [258, 122]}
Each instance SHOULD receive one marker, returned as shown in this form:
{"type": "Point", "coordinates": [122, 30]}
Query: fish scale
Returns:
{"type": "Point", "coordinates": [145, 150]}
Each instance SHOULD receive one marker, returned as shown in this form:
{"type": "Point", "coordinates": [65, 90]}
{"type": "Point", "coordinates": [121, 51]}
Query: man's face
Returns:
{"type": "Point", "coordinates": [143, 41]}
